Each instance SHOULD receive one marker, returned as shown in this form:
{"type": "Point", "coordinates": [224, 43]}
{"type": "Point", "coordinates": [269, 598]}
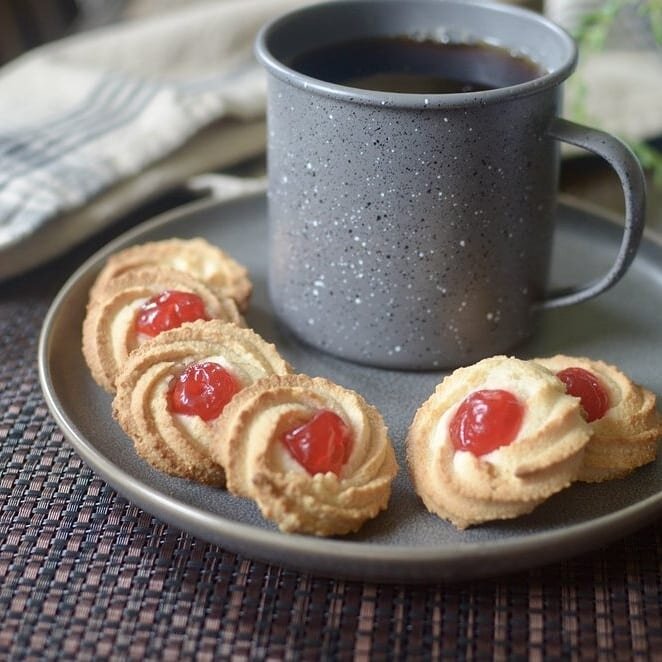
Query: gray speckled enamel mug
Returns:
{"type": "Point", "coordinates": [415, 231]}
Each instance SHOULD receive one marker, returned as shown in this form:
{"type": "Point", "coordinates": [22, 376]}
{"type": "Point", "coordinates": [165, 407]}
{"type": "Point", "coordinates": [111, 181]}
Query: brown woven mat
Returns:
{"type": "Point", "coordinates": [85, 574]}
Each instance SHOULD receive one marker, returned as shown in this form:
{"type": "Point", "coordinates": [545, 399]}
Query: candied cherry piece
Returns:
{"type": "Point", "coordinates": [169, 310]}
{"type": "Point", "coordinates": [203, 390]}
{"type": "Point", "coordinates": [585, 385]}
{"type": "Point", "coordinates": [486, 420]}
{"type": "Point", "coordinates": [321, 444]}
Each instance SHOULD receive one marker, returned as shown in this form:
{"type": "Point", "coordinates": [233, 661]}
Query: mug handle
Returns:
{"type": "Point", "coordinates": [627, 167]}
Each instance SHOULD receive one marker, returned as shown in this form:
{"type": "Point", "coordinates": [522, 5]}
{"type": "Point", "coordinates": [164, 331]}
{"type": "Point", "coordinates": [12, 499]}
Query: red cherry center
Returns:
{"type": "Point", "coordinates": [585, 385]}
{"type": "Point", "coordinates": [321, 444]}
{"type": "Point", "coordinates": [203, 390]}
{"type": "Point", "coordinates": [486, 420]}
{"type": "Point", "coordinates": [169, 310]}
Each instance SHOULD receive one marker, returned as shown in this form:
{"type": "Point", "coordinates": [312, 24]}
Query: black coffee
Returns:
{"type": "Point", "coordinates": [404, 64]}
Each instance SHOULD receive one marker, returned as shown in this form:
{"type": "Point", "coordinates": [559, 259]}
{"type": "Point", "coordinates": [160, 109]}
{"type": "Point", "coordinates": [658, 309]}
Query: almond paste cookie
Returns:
{"type": "Point", "coordinates": [494, 440]}
{"type": "Point", "coordinates": [315, 457]}
{"type": "Point", "coordinates": [622, 415]}
{"type": "Point", "coordinates": [136, 306]}
{"type": "Point", "coordinates": [172, 390]}
{"type": "Point", "coordinates": [196, 257]}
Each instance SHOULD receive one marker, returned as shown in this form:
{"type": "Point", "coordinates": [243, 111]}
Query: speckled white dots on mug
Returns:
{"type": "Point", "coordinates": [415, 231]}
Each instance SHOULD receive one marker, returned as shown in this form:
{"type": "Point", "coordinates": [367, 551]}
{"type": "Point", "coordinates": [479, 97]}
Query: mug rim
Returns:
{"type": "Point", "coordinates": [357, 95]}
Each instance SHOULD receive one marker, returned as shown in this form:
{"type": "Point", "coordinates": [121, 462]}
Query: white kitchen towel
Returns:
{"type": "Point", "coordinates": [166, 96]}
{"type": "Point", "coordinates": [97, 123]}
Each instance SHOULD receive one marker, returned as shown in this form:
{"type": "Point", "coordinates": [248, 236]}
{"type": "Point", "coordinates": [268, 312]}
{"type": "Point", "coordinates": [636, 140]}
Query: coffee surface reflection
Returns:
{"type": "Point", "coordinates": [405, 64]}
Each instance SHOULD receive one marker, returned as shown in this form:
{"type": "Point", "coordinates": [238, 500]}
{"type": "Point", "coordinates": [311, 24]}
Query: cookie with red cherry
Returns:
{"type": "Point", "coordinates": [137, 306]}
{"type": "Point", "coordinates": [173, 389]}
{"type": "Point", "coordinates": [494, 441]}
{"type": "Point", "coordinates": [623, 416]}
{"type": "Point", "coordinates": [198, 258]}
{"type": "Point", "coordinates": [314, 456]}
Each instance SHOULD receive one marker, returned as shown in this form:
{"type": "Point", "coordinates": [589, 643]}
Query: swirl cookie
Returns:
{"type": "Point", "coordinates": [196, 257]}
{"type": "Point", "coordinates": [494, 440]}
{"type": "Point", "coordinates": [622, 415]}
{"type": "Point", "coordinates": [137, 306]}
{"type": "Point", "coordinates": [172, 390]}
{"type": "Point", "coordinates": [314, 456]}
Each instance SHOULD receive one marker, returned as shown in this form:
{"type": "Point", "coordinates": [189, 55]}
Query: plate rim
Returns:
{"type": "Point", "coordinates": [310, 551]}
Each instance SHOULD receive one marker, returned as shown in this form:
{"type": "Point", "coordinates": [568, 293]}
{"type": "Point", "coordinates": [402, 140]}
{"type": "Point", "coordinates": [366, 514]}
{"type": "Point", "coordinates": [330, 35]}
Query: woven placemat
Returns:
{"type": "Point", "coordinates": [87, 575]}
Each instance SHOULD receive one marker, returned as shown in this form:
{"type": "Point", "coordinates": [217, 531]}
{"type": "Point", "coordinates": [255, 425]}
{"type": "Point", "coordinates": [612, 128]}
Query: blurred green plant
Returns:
{"type": "Point", "coordinates": [591, 36]}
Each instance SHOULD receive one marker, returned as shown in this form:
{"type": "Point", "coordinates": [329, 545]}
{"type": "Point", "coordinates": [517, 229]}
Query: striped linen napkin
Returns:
{"type": "Point", "coordinates": [95, 123]}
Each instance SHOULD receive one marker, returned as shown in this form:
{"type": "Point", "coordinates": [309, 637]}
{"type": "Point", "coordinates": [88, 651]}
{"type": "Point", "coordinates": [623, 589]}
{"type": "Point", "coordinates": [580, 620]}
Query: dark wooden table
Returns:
{"type": "Point", "coordinates": [592, 180]}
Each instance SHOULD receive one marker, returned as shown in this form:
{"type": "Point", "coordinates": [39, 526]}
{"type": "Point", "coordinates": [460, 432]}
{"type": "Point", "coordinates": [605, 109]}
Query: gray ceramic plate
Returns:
{"type": "Point", "coordinates": [405, 543]}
